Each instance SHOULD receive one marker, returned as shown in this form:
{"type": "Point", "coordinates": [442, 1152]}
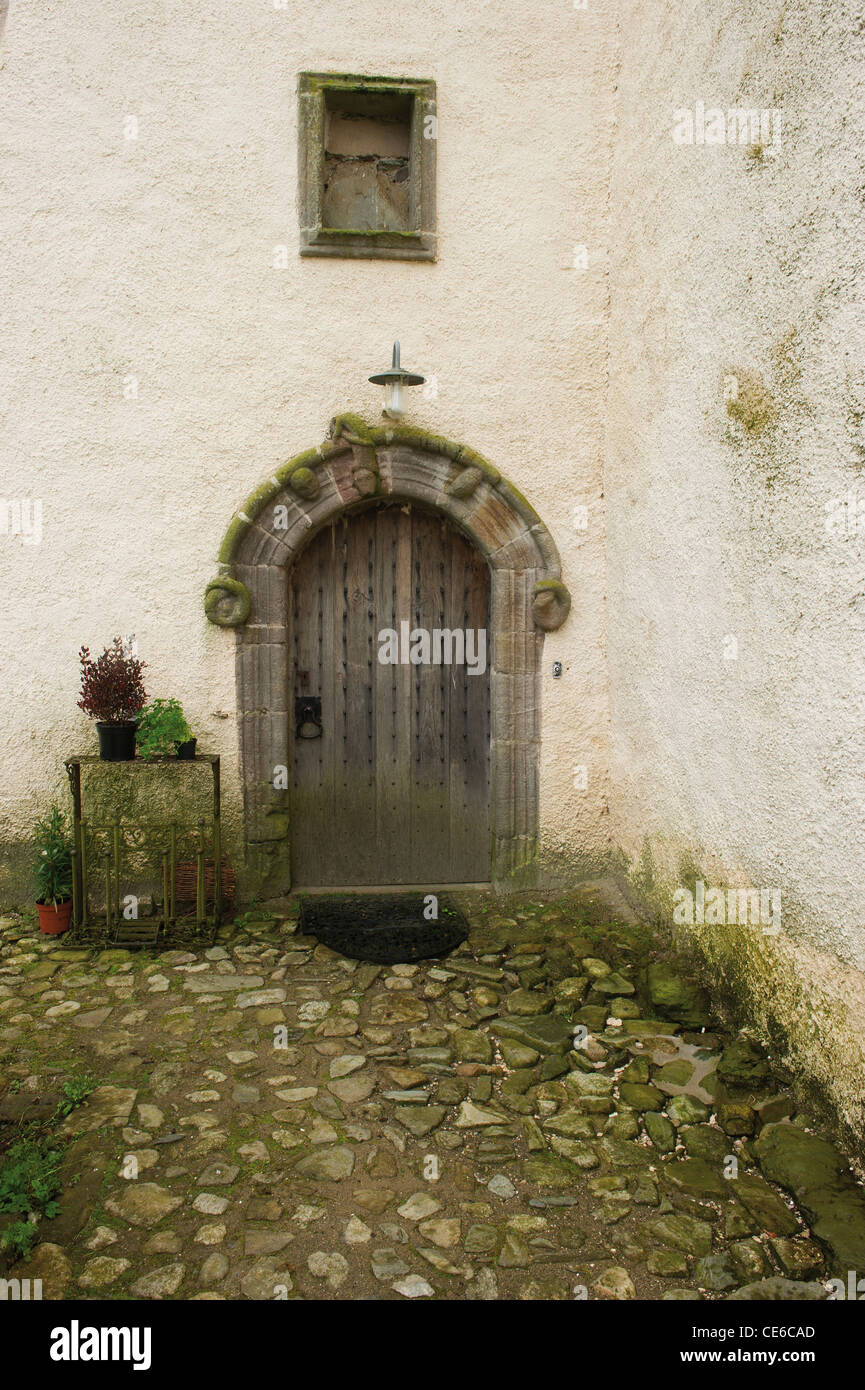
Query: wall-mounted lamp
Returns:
{"type": "Point", "coordinates": [393, 381]}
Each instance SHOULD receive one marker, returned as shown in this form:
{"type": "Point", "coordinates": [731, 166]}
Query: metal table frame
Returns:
{"type": "Point", "coordinates": [164, 838]}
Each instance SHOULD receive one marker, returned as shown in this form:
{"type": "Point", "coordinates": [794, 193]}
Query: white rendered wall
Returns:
{"type": "Point", "coordinates": [737, 660]}
{"type": "Point", "coordinates": [153, 258]}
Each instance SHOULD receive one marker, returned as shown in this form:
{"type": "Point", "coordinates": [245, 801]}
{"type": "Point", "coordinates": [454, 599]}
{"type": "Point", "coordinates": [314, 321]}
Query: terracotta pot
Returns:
{"type": "Point", "coordinates": [117, 741]}
{"type": "Point", "coordinates": [54, 920]}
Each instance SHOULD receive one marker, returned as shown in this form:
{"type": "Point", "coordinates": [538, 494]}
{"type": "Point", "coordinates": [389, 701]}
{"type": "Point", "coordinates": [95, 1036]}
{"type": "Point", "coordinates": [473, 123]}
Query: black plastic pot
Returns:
{"type": "Point", "coordinates": [186, 751]}
{"type": "Point", "coordinates": [117, 742]}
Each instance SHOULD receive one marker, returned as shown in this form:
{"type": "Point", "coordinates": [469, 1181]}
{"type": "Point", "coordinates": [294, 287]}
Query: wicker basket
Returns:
{"type": "Point", "coordinates": [186, 880]}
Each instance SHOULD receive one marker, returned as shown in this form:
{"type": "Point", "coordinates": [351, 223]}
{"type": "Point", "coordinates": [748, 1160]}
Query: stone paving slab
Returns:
{"type": "Point", "coordinates": [552, 1112]}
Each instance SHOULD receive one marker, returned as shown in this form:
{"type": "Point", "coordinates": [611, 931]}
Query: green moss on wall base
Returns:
{"type": "Point", "coordinates": [805, 1006]}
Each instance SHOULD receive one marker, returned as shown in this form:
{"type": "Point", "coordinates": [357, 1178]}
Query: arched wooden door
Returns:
{"type": "Point", "coordinates": [395, 788]}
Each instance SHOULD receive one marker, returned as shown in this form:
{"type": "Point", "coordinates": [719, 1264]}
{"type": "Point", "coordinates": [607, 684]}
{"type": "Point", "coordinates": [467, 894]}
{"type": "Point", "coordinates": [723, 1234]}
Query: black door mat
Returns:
{"type": "Point", "coordinates": [389, 930]}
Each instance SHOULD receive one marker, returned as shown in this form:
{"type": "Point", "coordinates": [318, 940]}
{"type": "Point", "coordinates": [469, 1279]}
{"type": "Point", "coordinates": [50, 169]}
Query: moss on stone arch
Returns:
{"type": "Point", "coordinates": [349, 432]}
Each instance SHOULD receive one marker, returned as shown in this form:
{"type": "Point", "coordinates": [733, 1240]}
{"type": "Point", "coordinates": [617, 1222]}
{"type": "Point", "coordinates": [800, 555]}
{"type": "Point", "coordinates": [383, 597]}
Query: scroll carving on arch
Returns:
{"type": "Point", "coordinates": [552, 604]}
{"type": "Point", "coordinates": [227, 602]}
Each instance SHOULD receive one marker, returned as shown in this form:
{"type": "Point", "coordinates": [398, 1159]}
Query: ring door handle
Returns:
{"type": "Point", "coordinates": [307, 716]}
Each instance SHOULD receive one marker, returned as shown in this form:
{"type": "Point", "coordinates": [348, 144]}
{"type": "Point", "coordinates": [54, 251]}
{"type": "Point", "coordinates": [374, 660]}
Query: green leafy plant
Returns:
{"type": "Point", "coordinates": [53, 866]}
{"type": "Point", "coordinates": [75, 1090]}
{"type": "Point", "coordinates": [19, 1238]}
{"type": "Point", "coordinates": [161, 726]}
{"type": "Point", "coordinates": [29, 1187]}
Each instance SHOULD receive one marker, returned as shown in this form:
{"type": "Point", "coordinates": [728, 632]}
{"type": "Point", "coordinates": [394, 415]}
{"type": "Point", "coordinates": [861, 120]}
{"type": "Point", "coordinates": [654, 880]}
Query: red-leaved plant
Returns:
{"type": "Point", "coordinates": [112, 689]}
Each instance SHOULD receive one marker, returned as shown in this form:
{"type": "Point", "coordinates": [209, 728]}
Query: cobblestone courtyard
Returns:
{"type": "Point", "coordinates": [272, 1120]}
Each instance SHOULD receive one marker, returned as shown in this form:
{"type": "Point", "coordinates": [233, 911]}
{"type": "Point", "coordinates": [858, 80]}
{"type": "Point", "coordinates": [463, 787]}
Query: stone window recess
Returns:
{"type": "Point", "coordinates": [366, 166]}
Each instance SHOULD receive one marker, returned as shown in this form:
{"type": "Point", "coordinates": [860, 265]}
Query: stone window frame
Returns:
{"type": "Point", "coordinates": [417, 244]}
{"type": "Point", "coordinates": [360, 463]}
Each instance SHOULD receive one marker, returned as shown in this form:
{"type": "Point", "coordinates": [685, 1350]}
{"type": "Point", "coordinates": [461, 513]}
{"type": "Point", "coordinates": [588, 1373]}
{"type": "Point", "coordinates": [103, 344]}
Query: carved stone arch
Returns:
{"type": "Point", "coordinates": [250, 594]}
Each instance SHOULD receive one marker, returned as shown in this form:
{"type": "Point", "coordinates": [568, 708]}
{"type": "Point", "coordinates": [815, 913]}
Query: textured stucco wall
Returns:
{"type": "Point", "coordinates": [731, 261]}
{"type": "Point", "coordinates": [153, 258]}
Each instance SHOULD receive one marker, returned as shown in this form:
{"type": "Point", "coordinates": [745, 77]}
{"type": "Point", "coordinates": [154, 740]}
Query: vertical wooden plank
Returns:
{"type": "Point", "coordinates": [429, 791]}
{"type": "Point", "coordinates": [357, 811]}
{"type": "Point", "coordinates": [340, 675]}
{"type": "Point", "coordinates": [477, 722]}
{"type": "Point", "coordinates": [392, 698]}
{"type": "Point", "coordinates": [404, 693]}
{"type": "Point", "coordinates": [462, 831]}
{"type": "Point", "coordinates": [328, 609]}
{"type": "Point", "coordinates": [442, 837]}
{"type": "Point", "coordinates": [384, 699]}
{"type": "Point", "coordinates": [415, 617]}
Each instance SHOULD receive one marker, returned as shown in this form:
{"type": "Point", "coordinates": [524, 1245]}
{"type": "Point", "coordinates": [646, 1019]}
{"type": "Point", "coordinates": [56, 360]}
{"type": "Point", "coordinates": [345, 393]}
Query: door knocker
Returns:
{"type": "Point", "coordinates": [307, 716]}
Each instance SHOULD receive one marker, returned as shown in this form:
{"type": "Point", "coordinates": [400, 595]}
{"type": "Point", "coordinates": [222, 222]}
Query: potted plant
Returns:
{"type": "Point", "coordinates": [162, 729]}
{"type": "Point", "coordinates": [112, 693]}
{"type": "Point", "coordinates": [53, 871]}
